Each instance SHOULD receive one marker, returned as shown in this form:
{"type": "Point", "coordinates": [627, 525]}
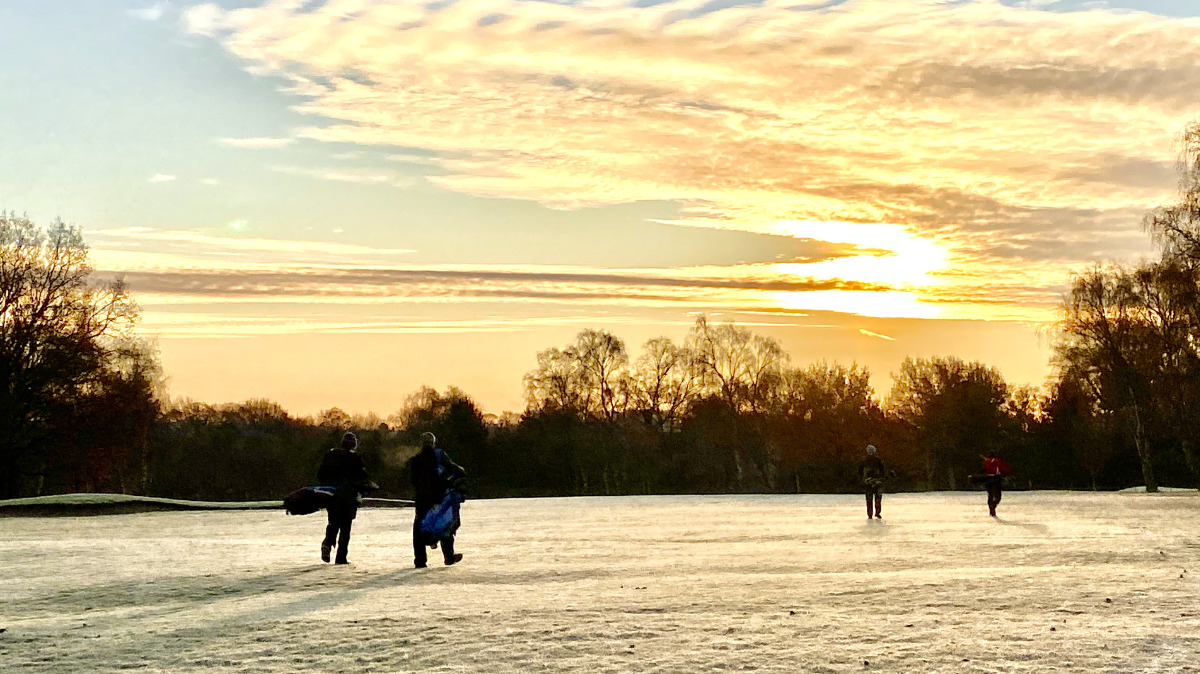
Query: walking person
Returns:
{"type": "Point", "coordinates": [872, 473]}
{"type": "Point", "coordinates": [343, 469]}
{"type": "Point", "coordinates": [994, 472]}
{"type": "Point", "coordinates": [433, 475]}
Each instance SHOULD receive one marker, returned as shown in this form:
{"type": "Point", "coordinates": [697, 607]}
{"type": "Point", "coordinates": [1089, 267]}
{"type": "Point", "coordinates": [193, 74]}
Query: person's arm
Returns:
{"type": "Point", "coordinates": [453, 472]}
{"type": "Point", "coordinates": [362, 479]}
{"type": "Point", "coordinates": [884, 471]}
{"type": "Point", "coordinates": [360, 469]}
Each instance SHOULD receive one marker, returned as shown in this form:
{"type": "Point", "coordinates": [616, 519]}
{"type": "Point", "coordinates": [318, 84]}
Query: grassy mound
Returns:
{"type": "Point", "coordinates": [118, 504]}
{"type": "Point", "coordinates": [115, 504]}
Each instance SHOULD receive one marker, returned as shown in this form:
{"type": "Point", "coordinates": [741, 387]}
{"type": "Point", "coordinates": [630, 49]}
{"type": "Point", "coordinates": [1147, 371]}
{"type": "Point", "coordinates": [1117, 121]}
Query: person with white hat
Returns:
{"type": "Point", "coordinates": [873, 473]}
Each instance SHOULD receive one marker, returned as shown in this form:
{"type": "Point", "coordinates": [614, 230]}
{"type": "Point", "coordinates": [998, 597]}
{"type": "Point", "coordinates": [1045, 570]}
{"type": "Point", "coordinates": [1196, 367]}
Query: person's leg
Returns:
{"type": "Point", "coordinates": [993, 498]}
{"type": "Point", "coordinates": [419, 555]}
{"type": "Point", "coordinates": [448, 554]}
{"type": "Point", "coordinates": [870, 505]}
{"type": "Point", "coordinates": [878, 505]}
{"type": "Point", "coordinates": [331, 530]}
{"type": "Point", "coordinates": [343, 547]}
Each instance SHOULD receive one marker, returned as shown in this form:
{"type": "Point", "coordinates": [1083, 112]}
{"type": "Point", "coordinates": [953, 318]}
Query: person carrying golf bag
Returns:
{"type": "Point", "coordinates": [343, 469]}
{"type": "Point", "coordinates": [435, 480]}
{"type": "Point", "coordinates": [994, 471]}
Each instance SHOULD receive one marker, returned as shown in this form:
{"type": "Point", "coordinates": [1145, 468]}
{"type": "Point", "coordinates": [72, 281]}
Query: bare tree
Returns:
{"type": "Point", "coordinates": [1107, 337]}
{"type": "Point", "coordinates": [1176, 227]}
{"type": "Point", "coordinates": [62, 337]}
{"type": "Point", "coordinates": [663, 383]}
{"type": "Point", "coordinates": [554, 385]}
{"type": "Point", "coordinates": [1176, 297]}
{"type": "Point", "coordinates": [603, 364]}
{"type": "Point", "coordinates": [742, 370]}
{"type": "Point", "coordinates": [736, 365]}
{"type": "Point", "coordinates": [589, 377]}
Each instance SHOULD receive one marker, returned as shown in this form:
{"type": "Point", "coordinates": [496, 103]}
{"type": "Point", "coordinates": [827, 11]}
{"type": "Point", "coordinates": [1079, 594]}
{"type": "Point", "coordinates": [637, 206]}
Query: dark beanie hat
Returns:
{"type": "Point", "coordinates": [349, 441]}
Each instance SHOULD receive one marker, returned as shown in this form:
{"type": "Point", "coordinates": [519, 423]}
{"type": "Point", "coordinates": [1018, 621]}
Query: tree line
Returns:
{"type": "Point", "coordinates": [81, 405]}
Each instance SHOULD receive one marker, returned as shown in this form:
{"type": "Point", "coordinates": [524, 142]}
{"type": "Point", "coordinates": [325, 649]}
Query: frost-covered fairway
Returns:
{"type": "Point", "coordinates": [652, 584]}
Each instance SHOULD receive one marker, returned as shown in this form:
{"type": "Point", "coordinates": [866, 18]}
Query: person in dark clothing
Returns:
{"type": "Point", "coordinates": [343, 469]}
{"type": "Point", "coordinates": [994, 472]}
{"type": "Point", "coordinates": [432, 473]}
{"type": "Point", "coordinates": [872, 473]}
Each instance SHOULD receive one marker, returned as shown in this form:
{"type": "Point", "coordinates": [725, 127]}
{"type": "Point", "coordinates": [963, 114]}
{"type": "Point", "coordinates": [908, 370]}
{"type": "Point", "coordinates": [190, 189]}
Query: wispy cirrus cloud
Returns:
{"type": "Point", "coordinates": [370, 176]}
{"type": "Point", "coordinates": [180, 279]}
{"type": "Point", "coordinates": [685, 290]}
{"type": "Point", "coordinates": [152, 13]}
{"type": "Point", "coordinates": [212, 324]}
{"type": "Point", "coordinates": [868, 333]}
{"type": "Point", "coordinates": [256, 143]}
{"type": "Point", "coordinates": [142, 248]}
{"type": "Point", "coordinates": [160, 178]}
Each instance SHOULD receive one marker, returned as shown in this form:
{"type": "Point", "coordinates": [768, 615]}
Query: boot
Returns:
{"type": "Point", "coordinates": [325, 550]}
{"type": "Point", "coordinates": [449, 556]}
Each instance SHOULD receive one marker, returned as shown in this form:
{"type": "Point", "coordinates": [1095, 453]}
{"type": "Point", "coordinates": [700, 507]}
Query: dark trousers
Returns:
{"type": "Point", "coordinates": [337, 532]}
{"type": "Point", "coordinates": [993, 490]}
{"type": "Point", "coordinates": [421, 541]}
{"type": "Point", "coordinates": [874, 498]}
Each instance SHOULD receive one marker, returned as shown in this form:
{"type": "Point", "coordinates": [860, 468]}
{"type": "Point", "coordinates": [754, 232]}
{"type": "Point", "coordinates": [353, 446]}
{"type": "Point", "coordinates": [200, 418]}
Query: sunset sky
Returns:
{"type": "Point", "coordinates": [334, 203]}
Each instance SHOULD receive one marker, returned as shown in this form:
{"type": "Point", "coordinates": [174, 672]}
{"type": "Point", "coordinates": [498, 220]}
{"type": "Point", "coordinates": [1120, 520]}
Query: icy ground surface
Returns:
{"type": "Point", "coordinates": [638, 584]}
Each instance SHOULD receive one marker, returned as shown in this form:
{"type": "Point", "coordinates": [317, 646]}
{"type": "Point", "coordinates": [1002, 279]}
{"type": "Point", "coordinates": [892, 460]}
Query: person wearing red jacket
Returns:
{"type": "Point", "coordinates": [994, 472]}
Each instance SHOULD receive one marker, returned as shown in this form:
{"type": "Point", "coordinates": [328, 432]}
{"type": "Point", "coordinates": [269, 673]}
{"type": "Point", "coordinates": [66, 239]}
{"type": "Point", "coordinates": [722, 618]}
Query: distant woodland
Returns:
{"type": "Point", "coordinates": [724, 411]}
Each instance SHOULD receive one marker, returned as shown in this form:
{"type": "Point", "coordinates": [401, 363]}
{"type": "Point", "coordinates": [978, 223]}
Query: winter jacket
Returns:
{"type": "Point", "coordinates": [871, 471]}
{"type": "Point", "coordinates": [994, 465]}
{"type": "Point", "coordinates": [431, 473]}
{"type": "Point", "coordinates": [343, 469]}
